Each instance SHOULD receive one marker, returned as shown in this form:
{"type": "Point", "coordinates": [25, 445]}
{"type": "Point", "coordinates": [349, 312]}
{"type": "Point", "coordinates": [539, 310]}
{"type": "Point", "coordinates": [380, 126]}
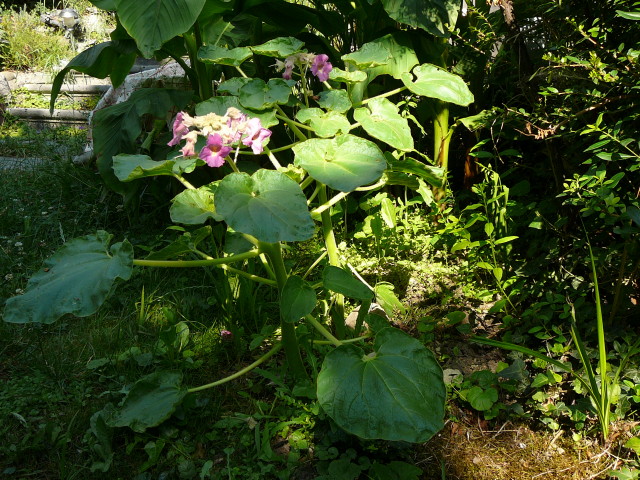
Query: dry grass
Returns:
{"type": "Point", "coordinates": [468, 451]}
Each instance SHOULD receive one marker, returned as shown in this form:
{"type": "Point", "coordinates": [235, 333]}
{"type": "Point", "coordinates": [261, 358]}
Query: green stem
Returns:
{"type": "Point", "coordinates": [382, 95]}
{"type": "Point", "coordinates": [334, 259]}
{"type": "Point", "coordinates": [274, 160]}
{"type": "Point", "coordinates": [196, 263]}
{"type": "Point", "coordinates": [323, 331]}
{"type": "Point", "coordinates": [289, 339]}
{"type": "Point", "coordinates": [184, 181]}
{"type": "Point", "coordinates": [348, 340]}
{"type": "Point", "coordinates": [441, 138]}
{"type": "Point", "coordinates": [239, 373]}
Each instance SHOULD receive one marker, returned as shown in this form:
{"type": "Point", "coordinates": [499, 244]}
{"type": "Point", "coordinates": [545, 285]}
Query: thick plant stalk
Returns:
{"type": "Point", "coordinates": [289, 340]}
{"type": "Point", "coordinates": [441, 138]}
{"type": "Point", "coordinates": [334, 259]}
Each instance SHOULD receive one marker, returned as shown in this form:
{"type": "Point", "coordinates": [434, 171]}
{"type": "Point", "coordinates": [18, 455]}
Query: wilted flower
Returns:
{"type": "Point", "coordinates": [321, 67]}
{"type": "Point", "coordinates": [189, 149]}
{"type": "Point", "coordinates": [215, 151]}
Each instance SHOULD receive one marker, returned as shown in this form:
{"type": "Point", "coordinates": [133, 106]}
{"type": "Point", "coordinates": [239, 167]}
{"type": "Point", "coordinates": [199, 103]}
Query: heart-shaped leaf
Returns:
{"type": "Point", "coordinates": [76, 279]}
{"type": "Point", "coordinates": [280, 47]}
{"type": "Point", "coordinates": [324, 124]}
{"type": "Point", "coordinates": [344, 163]}
{"type": "Point", "coordinates": [434, 16]}
{"type": "Point", "coordinates": [216, 54]}
{"type": "Point", "coordinates": [381, 120]}
{"type": "Point", "coordinates": [219, 106]}
{"type": "Point", "coordinates": [340, 281]}
{"type": "Point", "coordinates": [152, 23]}
{"type": "Point", "coordinates": [193, 207]}
{"type": "Point", "coordinates": [268, 205]}
{"type": "Point", "coordinates": [233, 85]}
{"type": "Point", "coordinates": [151, 400]}
{"type": "Point", "coordinates": [395, 393]}
{"type": "Point", "coordinates": [391, 55]}
{"type": "Point", "coordinates": [258, 95]}
{"type": "Point", "coordinates": [336, 100]}
{"type": "Point", "coordinates": [297, 299]}
{"type": "Point", "coordinates": [434, 82]}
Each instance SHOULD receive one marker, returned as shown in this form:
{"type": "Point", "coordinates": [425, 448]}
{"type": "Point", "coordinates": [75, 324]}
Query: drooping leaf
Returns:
{"type": "Point", "coordinates": [629, 15]}
{"type": "Point", "coordinates": [387, 298]}
{"type": "Point", "coordinates": [280, 47]}
{"type": "Point", "coordinates": [381, 120]}
{"type": "Point", "coordinates": [429, 173]}
{"type": "Point", "coordinates": [395, 393]}
{"type": "Point", "coordinates": [343, 163]}
{"type": "Point", "coordinates": [434, 82]}
{"type": "Point", "coordinates": [129, 167]}
{"type": "Point", "coordinates": [392, 55]}
{"type": "Point", "coordinates": [116, 128]}
{"type": "Point", "coordinates": [152, 22]}
{"type": "Point", "coordinates": [216, 54]}
{"type": "Point", "coordinates": [324, 124]}
{"type": "Point", "coordinates": [219, 106]}
{"type": "Point", "coordinates": [193, 207]}
{"type": "Point", "coordinates": [340, 281]}
{"type": "Point", "coordinates": [151, 401]}
{"type": "Point", "coordinates": [268, 205]}
{"type": "Point", "coordinates": [297, 299]}
{"type": "Point", "coordinates": [258, 95]}
{"type": "Point", "coordinates": [100, 61]}
{"type": "Point", "coordinates": [430, 15]}
{"type": "Point", "coordinates": [76, 279]}
{"type": "Point", "coordinates": [186, 243]}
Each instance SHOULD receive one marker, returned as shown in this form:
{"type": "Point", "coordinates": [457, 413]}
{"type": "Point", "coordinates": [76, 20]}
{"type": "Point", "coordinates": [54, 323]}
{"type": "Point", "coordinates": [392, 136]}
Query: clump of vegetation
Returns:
{"type": "Point", "coordinates": [28, 45]}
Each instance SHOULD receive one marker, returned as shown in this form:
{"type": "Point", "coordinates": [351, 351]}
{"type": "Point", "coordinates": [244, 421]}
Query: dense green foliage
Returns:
{"type": "Point", "coordinates": [475, 170]}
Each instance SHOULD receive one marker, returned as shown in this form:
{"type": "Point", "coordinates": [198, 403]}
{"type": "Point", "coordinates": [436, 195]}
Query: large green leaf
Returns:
{"type": "Point", "coordinates": [219, 106]}
{"type": "Point", "coordinates": [116, 128]}
{"type": "Point", "coordinates": [268, 205]}
{"type": "Point", "coordinates": [108, 58]}
{"type": "Point", "coordinates": [215, 54]}
{"type": "Point", "coordinates": [395, 393]}
{"type": "Point", "coordinates": [336, 100]}
{"type": "Point", "coordinates": [131, 167]}
{"type": "Point", "coordinates": [193, 207]}
{"type": "Point", "coordinates": [381, 120]}
{"type": "Point", "coordinates": [430, 15]}
{"type": "Point", "coordinates": [153, 22]}
{"type": "Point", "coordinates": [392, 54]}
{"type": "Point", "coordinates": [151, 400]}
{"type": "Point", "coordinates": [280, 47]}
{"type": "Point", "coordinates": [434, 82]}
{"type": "Point", "coordinates": [344, 163]}
{"type": "Point", "coordinates": [258, 95]}
{"type": "Point", "coordinates": [324, 124]}
{"type": "Point", "coordinates": [76, 279]}
{"type": "Point", "coordinates": [429, 173]}
{"type": "Point", "coordinates": [297, 299]}
{"type": "Point", "coordinates": [340, 281]}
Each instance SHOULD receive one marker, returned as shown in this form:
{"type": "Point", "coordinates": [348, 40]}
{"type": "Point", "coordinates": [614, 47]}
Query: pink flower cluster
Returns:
{"type": "Point", "coordinates": [221, 132]}
{"type": "Point", "coordinates": [319, 64]}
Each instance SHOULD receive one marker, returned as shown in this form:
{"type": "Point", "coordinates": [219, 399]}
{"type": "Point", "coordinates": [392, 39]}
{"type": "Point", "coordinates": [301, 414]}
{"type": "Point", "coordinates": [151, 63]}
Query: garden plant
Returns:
{"type": "Point", "coordinates": [370, 190]}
